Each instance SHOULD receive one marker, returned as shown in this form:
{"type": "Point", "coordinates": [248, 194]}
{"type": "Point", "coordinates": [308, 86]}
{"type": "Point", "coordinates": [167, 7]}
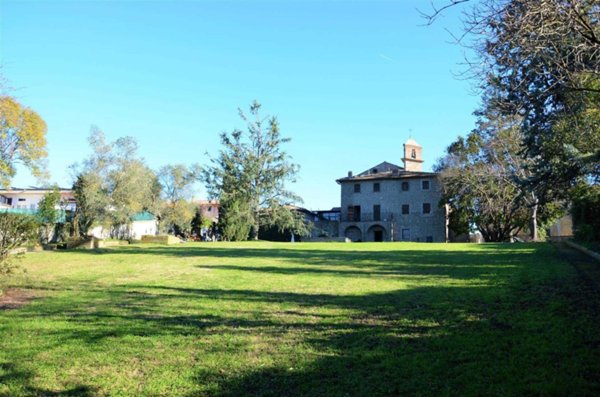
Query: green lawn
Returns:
{"type": "Point", "coordinates": [267, 319]}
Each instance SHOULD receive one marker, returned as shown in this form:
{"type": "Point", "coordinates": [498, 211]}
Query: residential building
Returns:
{"type": "Point", "coordinates": [209, 209]}
{"type": "Point", "coordinates": [28, 199]}
{"type": "Point", "coordinates": [392, 203]}
{"type": "Point", "coordinates": [142, 224]}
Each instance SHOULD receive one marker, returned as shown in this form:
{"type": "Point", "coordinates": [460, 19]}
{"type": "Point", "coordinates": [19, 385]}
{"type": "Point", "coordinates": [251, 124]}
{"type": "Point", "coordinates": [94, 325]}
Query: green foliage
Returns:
{"type": "Point", "coordinates": [541, 60]}
{"type": "Point", "coordinates": [586, 212]}
{"type": "Point", "coordinates": [177, 181]}
{"type": "Point", "coordinates": [200, 222]}
{"type": "Point", "coordinates": [92, 201]}
{"type": "Point", "coordinates": [16, 230]}
{"type": "Point", "coordinates": [235, 219]}
{"type": "Point", "coordinates": [485, 180]}
{"type": "Point", "coordinates": [249, 176]}
{"type": "Point", "coordinates": [22, 140]}
{"type": "Point", "coordinates": [113, 184]}
{"type": "Point", "coordinates": [48, 214]}
{"type": "Point", "coordinates": [177, 217]}
{"type": "Point", "coordinates": [175, 211]}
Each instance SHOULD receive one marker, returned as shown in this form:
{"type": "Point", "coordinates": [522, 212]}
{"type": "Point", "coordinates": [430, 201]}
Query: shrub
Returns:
{"type": "Point", "coordinates": [16, 230]}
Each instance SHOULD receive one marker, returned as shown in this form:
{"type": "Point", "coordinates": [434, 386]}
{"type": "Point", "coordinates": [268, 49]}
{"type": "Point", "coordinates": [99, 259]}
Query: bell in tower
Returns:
{"type": "Point", "coordinates": [413, 156]}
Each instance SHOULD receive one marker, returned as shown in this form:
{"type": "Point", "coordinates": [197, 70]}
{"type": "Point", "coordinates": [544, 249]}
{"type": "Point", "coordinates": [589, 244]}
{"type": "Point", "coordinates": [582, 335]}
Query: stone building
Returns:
{"type": "Point", "coordinates": [392, 203]}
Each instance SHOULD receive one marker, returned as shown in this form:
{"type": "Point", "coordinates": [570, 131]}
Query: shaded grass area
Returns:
{"type": "Point", "coordinates": [266, 319]}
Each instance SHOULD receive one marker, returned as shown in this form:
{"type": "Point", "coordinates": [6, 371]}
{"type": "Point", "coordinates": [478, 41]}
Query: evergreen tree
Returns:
{"type": "Point", "coordinates": [249, 176]}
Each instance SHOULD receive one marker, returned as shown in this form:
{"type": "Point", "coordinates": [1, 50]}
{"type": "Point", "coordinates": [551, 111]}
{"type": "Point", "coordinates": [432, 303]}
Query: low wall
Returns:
{"type": "Point", "coordinates": [586, 251]}
{"type": "Point", "coordinates": [326, 240]}
{"type": "Point", "coordinates": [81, 244]}
{"type": "Point", "coordinates": [99, 243]}
{"type": "Point", "coordinates": [169, 240]}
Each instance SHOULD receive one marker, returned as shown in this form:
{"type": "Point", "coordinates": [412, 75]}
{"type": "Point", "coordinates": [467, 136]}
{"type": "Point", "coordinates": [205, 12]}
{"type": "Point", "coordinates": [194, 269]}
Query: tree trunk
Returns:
{"type": "Point", "coordinates": [534, 225]}
{"type": "Point", "coordinates": [255, 227]}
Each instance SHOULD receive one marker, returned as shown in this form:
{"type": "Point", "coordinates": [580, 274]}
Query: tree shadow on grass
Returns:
{"type": "Point", "coordinates": [481, 261]}
{"type": "Point", "coordinates": [480, 339]}
{"type": "Point", "coordinates": [19, 381]}
{"type": "Point", "coordinates": [420, 341]}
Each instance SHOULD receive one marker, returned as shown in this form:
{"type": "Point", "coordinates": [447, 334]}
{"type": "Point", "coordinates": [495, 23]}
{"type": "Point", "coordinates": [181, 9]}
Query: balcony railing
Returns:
{"type": "Point", "coordinates": [368, 217]}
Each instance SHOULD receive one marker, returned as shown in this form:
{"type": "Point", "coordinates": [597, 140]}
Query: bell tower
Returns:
{"type": "Point", "coordinates": [413, 156]}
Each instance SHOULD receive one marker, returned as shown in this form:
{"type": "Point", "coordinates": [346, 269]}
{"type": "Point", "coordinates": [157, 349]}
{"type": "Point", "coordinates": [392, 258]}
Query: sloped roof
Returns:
{"type": "Point", "coordinates": [61, 218]}
{"type": "Point", "coordinates": [411, 141]}
{"type": "Point", "coordinates": [143, 216]}
{"type": "Point", "coordinates": [381, 168]}
{"type": "Point", "coordinates": [386, 170]}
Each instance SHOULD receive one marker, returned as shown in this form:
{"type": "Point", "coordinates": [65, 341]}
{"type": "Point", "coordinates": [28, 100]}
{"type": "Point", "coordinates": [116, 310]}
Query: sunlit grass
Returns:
{"type": "Point", "coordinates": [302, 319]}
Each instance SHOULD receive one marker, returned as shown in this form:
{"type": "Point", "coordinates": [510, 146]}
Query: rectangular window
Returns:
{"type": "Point", "coordinates": [405, 234]}
{"type": "Point", "coordinates": [429, 239]}
{"type": "Point", "coordinates": [405, 209]}
{"type": "Point", "coordinates": [376, 187]}
{"type": "Point", "coordinates": [22, 199]}
{"type": "Point", "coordinates": [405, 186]}
{"type": "Point", "coordinates": [357, 213]}
{"type": "Point", "coordinates": [376, 212]}
{"type": "Point", "coordinates": [425, 185]}
{"type": "Point", "coordinates": [357, 188]}
{"type": "Point", "coordinates": [350, 213]}
{"type": "Point", "coordinates": [426, 208]}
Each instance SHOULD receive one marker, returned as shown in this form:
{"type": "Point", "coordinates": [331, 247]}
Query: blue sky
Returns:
{"type": "Point", "coordinates": [348, 80]}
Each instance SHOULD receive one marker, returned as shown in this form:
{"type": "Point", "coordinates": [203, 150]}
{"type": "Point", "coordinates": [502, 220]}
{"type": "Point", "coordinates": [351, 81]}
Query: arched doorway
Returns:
{"type": "Point", "coordinates": [353, 233]}
{"type": "Point", "coordinates": [377, 233]}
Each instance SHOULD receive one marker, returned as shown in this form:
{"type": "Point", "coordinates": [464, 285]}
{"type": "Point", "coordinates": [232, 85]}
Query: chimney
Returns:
{"type": "Point", "coordinates": [349, 174]}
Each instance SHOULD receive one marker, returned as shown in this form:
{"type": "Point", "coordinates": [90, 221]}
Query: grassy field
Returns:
{"type": "Point", "coordinates": [266, 319]}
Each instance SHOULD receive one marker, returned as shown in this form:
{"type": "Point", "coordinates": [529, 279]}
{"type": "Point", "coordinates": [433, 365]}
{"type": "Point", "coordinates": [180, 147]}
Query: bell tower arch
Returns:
{"type": "Point", "coordinates": [413, 156]}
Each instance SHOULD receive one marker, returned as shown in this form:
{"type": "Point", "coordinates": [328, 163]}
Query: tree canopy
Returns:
{"type": "Point", "coordinates": [113, 184]}
{"type": "Point", "coordinates": [249, 177]}
{"type": "Point", "coordinates": [541, 60]}
{"type": "Point", "coordinates": [177, 211]}
{"type": "Point", "coordinates": [485, 180]}
{"type": "Point", "coordinates": [22, 140]}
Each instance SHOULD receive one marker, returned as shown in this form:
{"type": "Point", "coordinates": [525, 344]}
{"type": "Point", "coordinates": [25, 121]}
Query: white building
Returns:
{"type": "Point", "coordinates": [142, 224]}
{"type": "Point", "coordinates": [28, 199]}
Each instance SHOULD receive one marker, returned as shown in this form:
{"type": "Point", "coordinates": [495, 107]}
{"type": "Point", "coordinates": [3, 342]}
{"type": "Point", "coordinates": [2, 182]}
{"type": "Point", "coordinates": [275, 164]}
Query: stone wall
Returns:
{"type": "Point", "coordinates": [417, 226]}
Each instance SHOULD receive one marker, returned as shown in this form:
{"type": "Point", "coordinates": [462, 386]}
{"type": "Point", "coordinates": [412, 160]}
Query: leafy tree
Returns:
{"type": "Point", "coordinates": [200, 222]}
{"type": "Point", "coordinates": [177, 182]}
{"type": "Point", "coordinates": [235, 218]}
{"type": "Point", "coordinates": [249, 176]}
{"type": "Point", "coordinates": [177, 217]}
{"type": "Point", "coordinates": [286, 220]}
{"type": "Point", "coordinates": [47, 213]}
{"type": "Point", "coordinates": [22, 140]}
{"type": "Point", "coordinates": [541, 60]}
{"type": "Point", "coordinates": [16, 230]}
{"type": "Point", "coordinates": [113, 184]}
{"type": "Point", "coordinates": [92, 202]}
{"type": "Point", "coordinates": [586, 211]}
{"type": "Point", "coordinates": [485, 181]}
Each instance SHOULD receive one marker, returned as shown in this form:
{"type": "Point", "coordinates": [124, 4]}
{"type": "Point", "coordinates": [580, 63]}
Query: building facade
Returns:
{"type": "Point", "coordinates": [392, 203]}
{"type": "Point", "coordinates": [209, 209]}
{"type": "Point", "coordinates": [28, 199]}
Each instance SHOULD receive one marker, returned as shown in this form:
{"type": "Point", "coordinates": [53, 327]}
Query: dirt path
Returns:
{"type": "Point", "coordinates": [587, 267]}
{"type": "Point", "coordinates": [15, 298]}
